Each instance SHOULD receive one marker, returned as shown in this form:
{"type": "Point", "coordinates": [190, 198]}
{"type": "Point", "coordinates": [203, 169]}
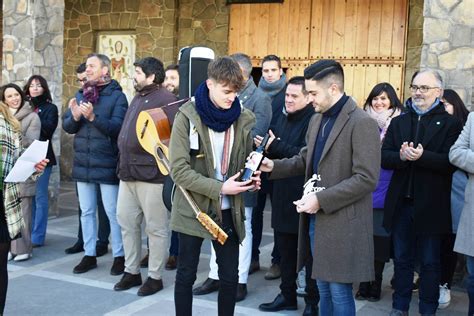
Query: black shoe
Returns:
{"type": "Point", "coordinates": [118, 266]}
{"type": "Point", "coordinates": [241, 292]}
{"type": "Point", "coordinates": [278, 304]}
{"type": "Point", "coordinates": [87, 263]}
{"type": "Point", "coordinates": [209, 286]}
{"type": "Point", "coordinates": [128, 281]}
{"type": "Point", "coordinates": [363, 292]}
{"type": "Point", "coordinates": [254, 266]}
{"type": "Point", "coordinates": [144, 261]}
{"type": "Point", "coordinates": [74, 249]}
{"type": "Point", "coordinates": [375, 291]}
{"type": "Point", "coordinates": [311, 310]}
{"type": "Point", "coordinates": [151, 286]}
{"type": "Point", "coordinates": [101, 250]}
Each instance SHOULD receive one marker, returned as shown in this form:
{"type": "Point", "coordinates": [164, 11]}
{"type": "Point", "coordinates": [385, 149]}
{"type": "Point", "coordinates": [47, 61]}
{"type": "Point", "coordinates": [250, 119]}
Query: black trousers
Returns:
{"type": "Point", "coordinates": [287, 245]}
{"type": "Point", "coordinates": [227, 257]}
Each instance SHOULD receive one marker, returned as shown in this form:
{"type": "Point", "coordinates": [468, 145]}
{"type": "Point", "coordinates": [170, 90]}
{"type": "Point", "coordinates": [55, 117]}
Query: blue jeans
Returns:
{"type": "Point", "coordinates": [312, 223]}
{"type": "Point", "coordinates": [408, 246]}
{"type": "Point", "coordinates": [40, 208]}
{"type": "Point", "coordinates": [336, 299]}
{"type": "Point", "coordinates": [470, 283]}
{"type": "Point", "coordinates": [87, 193]}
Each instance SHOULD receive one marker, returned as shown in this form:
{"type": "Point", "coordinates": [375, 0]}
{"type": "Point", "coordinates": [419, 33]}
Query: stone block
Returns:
{"type": "Point", "coordinates": [462, 14]}
{"type": "Point", "coordinates": [185, 37]}
{"type": "Point", "coordinates": [222, 48]}
{"type": "Point", "coordinates": [448, 5]}
{"type": "Point", "coordinates": [208, 25]}
{"type": "Point", "coordinates": [114, 20]}
{"type": "Point", "coordinates": [199, 35]}
{"type": "Point", "coordinates": [169, 17]}
{"type": "Point", "coordinates": [84, 51]}
{"type": "Point", "coordinates": [198, 8]}
{"type": "Point", "coordinates": [87, 40]}
{"type": "Point", "coordinates": [23, 72]}
{"type": "Point", "coordinates": [413, 58]}
{"type": "Point", "coordinates": [156, 32]}
{"type": "Point", "coordinates": [145, 41]}
{"type": "Point", "coordinates": [143, 22]}
{"type": "Point", "coordinates": [169, 4]}
{"type": "Point", "coordinates": [459, 77]}
{"type": "Point", "coordinates": [22, 29]}
{"type": "Point", "coordinates": [219, 34]}
{"type": "Point", "coordinates": [58, 40]}
{"type": "Point", "coordinates": [439, 48]}
{"type": "Point", "coordinates": [222, 19]}
{"type": "Point", "coordinates": [74, 33]}
{"type": "Point", "coordinates": [415, 17]}
{"type": "Point", "coordinates": [155, 22]}
{"type": "Point", "coordinates": [165, 42]}
{"type": "Point", "coordinates": [415, 37]}
{"type": "Point", "coordinates": [133, 20]}
{"type": "Point", "coordinates": [461, 35]}
{"type": "Point", "coordinates": [50, 58]}
{"type": "Point", "coordinates": [9, 44]}
{"type": "Point", "coordinates": [124, 20]}
{"type": "Point", "coordinates": [84, 28]}
{"type": "Point", "coordinates": [168, 55]}
{"type": "Point", "coordinates": [431, 60]}
{"type": "Point", "coordinates": [168, 31]}
{"type": "Point", "coordinates": [104, 22]}
{"type": "Point", "coordinates": [83, 18]}
{"type": "Point", "coordinates": [435, 30]}
{"type": "Point", "coordinates": [185, 23]}
{"type": "Point", "coordinates": [55, 24]}
{"type": "Point", "coordinates": [118, 6]}
{"type": "Point", "coordinates": [8, 61]}
{"type": "Point", "coordinates": [21, 6]}
{"type": "Point", "coordinates": [186, 12]}
{"type": "Point", "coordinates": [437, 10]}
{"type": "Point", "coordinates": [38, 59]}
{"type": "Point", "coordinates": [460, 58]}
{"type": "Point", "coordinates": [95, 22]}
{"type": "Point", "coordinates": [158, 53]}
{"type": "Point", "coordinates": [42, 41]}
{"type": "Point", "coordinates": [208, 13]}
{"type": "Point", "coordinates": [105, 7]}
{"type": "Point", "coordinates": [132, 5]}
{"type": "Point", "coordinates": [149, 9]}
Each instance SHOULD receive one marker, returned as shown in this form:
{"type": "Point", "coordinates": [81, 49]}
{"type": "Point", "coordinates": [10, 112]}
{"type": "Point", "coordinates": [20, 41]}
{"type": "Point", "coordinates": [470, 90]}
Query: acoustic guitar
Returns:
{"type": "Point", "coordinates": [154, 132]}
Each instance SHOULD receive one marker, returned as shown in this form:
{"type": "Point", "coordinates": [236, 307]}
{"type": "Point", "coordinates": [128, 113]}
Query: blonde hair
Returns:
{"type": "Point", "coordinates": [9, 117]}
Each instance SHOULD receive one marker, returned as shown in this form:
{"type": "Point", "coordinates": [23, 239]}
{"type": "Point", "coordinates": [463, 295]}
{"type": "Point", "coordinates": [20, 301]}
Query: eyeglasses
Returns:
{"type": "Point", "coordinates": [81, 80]}
{"type": "Point", "coordinates": [423, 89]}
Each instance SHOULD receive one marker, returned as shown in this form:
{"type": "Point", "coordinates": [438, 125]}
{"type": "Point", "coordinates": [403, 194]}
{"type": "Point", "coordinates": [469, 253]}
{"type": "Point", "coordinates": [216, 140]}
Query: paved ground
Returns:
{"type": "Point", "coordinates": [45, 284]}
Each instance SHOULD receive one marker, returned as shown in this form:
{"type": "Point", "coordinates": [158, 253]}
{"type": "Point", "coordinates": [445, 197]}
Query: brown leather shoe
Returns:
{"type": "Point", "coordinates": [118, 266]}
{"type": "Point", "coordinates": [241, 292]}
{"type": "Point", "coordinates": [144, 261]}
{"type": "Point", "coordinates": [151, 286]}
{"type": "Point", "coordinates": [172, 263]}
{"type": "Point", "coordinates": [254, 266]}
{"type": "Point", "coordinates": [273, 273]}
{"type": "Point", "coordinates": [208, 286]}
{"type": "Point", "coordinates": [128, 281]}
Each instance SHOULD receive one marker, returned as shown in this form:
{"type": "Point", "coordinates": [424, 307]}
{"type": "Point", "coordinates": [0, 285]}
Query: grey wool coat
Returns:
{"type": "Point", "coordinates": [349, 169]}
{"type": "Point", "coordinates": [30, 130]}
{"type": "Point", "coordinates": [461, 155]}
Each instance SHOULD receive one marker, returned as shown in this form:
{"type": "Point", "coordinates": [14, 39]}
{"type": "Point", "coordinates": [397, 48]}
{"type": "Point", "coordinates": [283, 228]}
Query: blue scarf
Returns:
{"type": "Point", "coordinates": [409, 103]}
{"type": "Point", "coordinates": [217, 119]}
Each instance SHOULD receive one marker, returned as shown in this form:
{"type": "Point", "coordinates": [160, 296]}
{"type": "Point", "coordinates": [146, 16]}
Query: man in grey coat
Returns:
{"type": "Point", "coordinates": [260, 104]}
{"type": "Point", "coordinates": [341, 162]}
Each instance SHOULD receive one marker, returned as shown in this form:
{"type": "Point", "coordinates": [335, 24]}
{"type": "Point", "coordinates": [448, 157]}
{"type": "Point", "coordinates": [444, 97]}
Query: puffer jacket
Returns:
{"type": "Point", "coordinates": [95, 143]}
{"type": "Point", "coordinates": [194, 171]}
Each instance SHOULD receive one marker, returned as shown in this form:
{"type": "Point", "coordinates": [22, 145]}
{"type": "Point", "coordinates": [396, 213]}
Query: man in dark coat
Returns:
{"type": "Point", "coordinates": [141, 184]}
{"type": "Point", "coordinates": [417, 205]}
{"type": "Point", "coordinates": [342, 163]}
{"type": "Point", "coordinates": [95, 116]}
{"type": "Point", "coordinates": [287, 138]}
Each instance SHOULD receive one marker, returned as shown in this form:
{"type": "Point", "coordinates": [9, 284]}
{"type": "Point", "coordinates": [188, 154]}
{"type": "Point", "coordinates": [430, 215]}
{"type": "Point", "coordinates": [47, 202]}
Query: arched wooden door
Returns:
{"type": "Point", "coordinates": [368, 37]}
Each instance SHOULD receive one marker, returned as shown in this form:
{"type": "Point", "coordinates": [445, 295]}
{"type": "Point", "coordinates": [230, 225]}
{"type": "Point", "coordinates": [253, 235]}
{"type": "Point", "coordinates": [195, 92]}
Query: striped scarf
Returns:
{"type": "Point", "coordinates": [10, 147]}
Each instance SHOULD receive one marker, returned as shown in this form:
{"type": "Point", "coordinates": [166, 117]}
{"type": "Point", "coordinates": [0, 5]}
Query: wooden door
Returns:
{"type": "Point", "coordinates": [368, 37]}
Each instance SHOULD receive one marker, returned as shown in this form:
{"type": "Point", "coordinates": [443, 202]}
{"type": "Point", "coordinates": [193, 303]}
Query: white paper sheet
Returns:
{"type": "Point", "coordinates": [25, 165]}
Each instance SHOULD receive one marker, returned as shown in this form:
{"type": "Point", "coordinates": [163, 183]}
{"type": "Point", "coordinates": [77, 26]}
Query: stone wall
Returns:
{"type": "Point", "coordinates": [33, 44]}
{"type": "Point", "coordinates": [153, 22]}
{"type": "Point", "coordinates": [414, 42]}
{"type": "Point", "coordinates": [448, 39]}
{"type": "Point", "coordinates": [204, 23]}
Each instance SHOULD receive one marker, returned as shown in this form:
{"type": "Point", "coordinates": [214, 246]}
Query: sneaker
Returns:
{"type": "Point", "coordinates": [87, 263]}
{"type": "Point", "coordinates": [22, 257]}
{"type": "Point", "coordinates": [10, 256]}
{"type": "Point", "coordinates": [301, 283]}
{"type": "Point", "coordinates": [444, 296]}
{"type": "Point", "coordinates": [118, 266]}
{"type": "Point", "coordinates": [274, 272]}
